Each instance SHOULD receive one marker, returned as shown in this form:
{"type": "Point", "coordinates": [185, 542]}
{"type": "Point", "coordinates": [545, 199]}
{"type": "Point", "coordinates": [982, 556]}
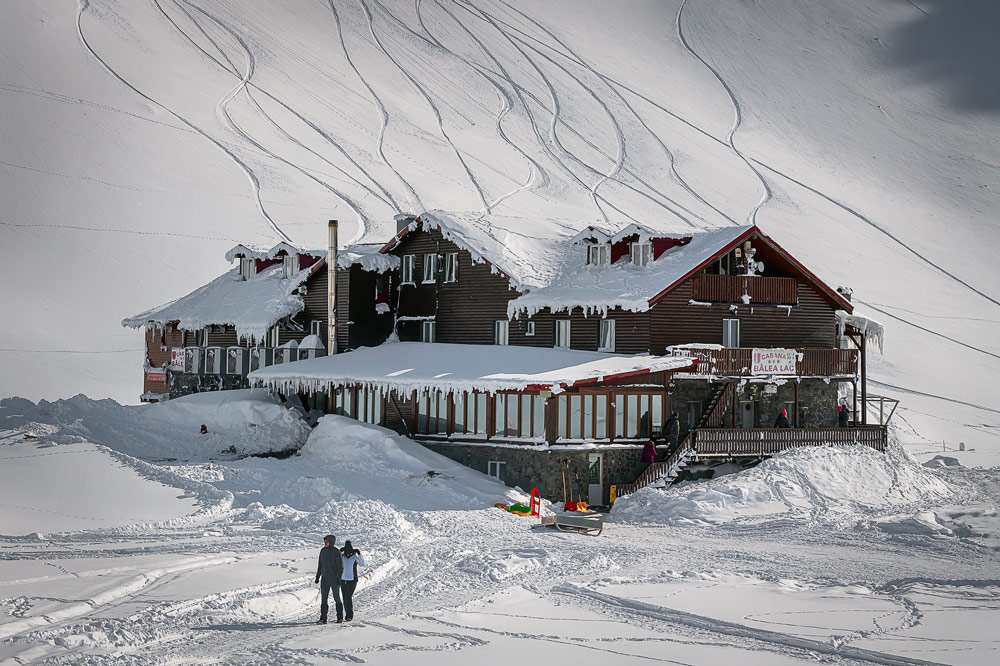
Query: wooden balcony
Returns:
{"type": "Point", "coordinates": [732, 288]}
{"type": "Point", "coordinates": [736, 442]}
{"type": "Point", "coordinates": [738, 361]}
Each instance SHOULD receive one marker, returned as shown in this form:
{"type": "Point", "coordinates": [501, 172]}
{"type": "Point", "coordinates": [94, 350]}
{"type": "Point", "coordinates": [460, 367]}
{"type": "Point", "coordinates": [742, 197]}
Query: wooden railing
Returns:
{"type": "Point", "coordinates": [732, 288]}
{"type": "Point", "coordinates": [738, 361]}
{"type": "Point", "coordinates": [657, 470]}
{"type": "Point", "coordinates": [768, 441]}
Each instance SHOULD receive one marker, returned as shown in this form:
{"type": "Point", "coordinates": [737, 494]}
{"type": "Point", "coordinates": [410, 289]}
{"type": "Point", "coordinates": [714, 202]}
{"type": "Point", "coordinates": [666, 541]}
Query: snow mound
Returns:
{"type": "Point", "coordinates": [239, 423]}
{"type": "Point", "coordinates": [943, 461]}
{"type": "Point", "coordinates": [345, 466]}
{"type": "Point", "coordinates": [821, 483]}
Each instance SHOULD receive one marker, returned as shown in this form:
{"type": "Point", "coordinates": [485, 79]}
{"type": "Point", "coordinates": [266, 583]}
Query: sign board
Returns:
{"type": "Point", "coordinates": [177, 359]}
{"type": "Point", "coordinates": [773, 362]}
{"type": "Point", "coordinates": [156, 375]}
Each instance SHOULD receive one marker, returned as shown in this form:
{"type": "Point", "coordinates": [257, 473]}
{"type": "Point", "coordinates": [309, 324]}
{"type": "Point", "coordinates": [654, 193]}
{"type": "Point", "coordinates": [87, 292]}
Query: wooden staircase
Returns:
{"type": "Point", "coordinates": [669, 469]}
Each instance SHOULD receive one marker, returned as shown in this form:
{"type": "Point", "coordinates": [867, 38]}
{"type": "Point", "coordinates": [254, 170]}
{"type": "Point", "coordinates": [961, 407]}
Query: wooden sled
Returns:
{"type": "Point", "coordinates": [591, 522]}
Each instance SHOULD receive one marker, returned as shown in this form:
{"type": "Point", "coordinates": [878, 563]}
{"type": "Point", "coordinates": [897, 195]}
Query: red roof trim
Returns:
{"type": "Point", "coordinates": [832, 293]}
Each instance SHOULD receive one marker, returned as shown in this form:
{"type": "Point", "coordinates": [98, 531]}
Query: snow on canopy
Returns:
{"type": "Point", "coordinates": [368, 257]}
{"type": "Point", "coordinates": [250, 306]}
{"type": "Point", "coordinates": [599, 288]}
{"type": "Point", "coordinates": [419, 366]}
{"type": "Point", "coordinates": [868, 327]}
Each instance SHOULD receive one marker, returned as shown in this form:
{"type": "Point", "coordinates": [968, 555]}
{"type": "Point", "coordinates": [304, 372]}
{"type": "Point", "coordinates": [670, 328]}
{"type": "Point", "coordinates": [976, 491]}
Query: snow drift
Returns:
{"type": "Point", "coordinates": [238, 422]}
{"type": "Point", "coordinates": [840, 484]}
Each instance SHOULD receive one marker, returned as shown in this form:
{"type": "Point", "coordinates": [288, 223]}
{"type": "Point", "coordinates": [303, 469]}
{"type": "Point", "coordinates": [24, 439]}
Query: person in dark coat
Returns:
{"type": "Point", "coordinates": [672, 430]}
{"type": "Point", "coordinates": [843, 416]}
{"type": "Point", "coordinates": [649, 452]}
{"type": "Point", "coordinates": [782, 420]}
{"type": "Point", "coordinates": [349, 580]}
{"type": "Point", "coordinates": [328, 576]}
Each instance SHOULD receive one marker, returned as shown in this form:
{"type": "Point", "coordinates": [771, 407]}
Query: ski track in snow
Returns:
{"type": "Point", "coordinates": [431, 104]}
{"type": "Point", "coordinates": [382, 194]}
{"type": "Point", "coordinates": [255, 183]}
{"type": "Point", "coordinates": [572, 56]}
{"type": "Point", "coordinates": [738, 116]}
{"type": "Point", "coordinates": [229, 121]}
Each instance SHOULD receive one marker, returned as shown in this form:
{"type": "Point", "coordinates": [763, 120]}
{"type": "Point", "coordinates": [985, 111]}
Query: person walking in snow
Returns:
{"type": "Point", "coordinates": [842, 416]}
{"type": "Point", "coordinates": [782, 420]}
{"type": "Point", "coordinates": [328, 576]}
{"type": "Point", "coordinates": [349, 579]}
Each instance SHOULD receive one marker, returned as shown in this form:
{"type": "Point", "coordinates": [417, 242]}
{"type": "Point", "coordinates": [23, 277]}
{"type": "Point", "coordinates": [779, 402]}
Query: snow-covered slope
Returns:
{"type": "Point", "coordinates": [141, 140]}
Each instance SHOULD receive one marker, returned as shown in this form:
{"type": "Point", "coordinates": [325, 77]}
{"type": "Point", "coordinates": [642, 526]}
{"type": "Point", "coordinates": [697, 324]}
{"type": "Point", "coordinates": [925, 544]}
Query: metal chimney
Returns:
{"type": "Point", "coordinates": [331, 289]}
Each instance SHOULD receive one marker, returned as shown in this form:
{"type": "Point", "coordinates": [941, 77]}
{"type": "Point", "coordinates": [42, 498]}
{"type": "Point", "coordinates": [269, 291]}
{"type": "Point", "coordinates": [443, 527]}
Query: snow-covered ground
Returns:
{"type": "Point", "coordinates": [188, 555]}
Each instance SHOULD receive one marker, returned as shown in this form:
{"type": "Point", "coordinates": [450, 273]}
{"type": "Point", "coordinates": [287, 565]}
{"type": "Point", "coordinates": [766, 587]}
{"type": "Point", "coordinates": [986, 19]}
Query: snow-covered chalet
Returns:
{"type": "Point", "coordinates": [538, 360]}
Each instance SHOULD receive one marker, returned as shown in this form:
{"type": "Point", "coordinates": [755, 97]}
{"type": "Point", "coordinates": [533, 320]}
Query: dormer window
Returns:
{"type": "Point", "coordinates": [598, 255]}
{"type": "Point", "coordinates": [288, 263]}
{"type": "Point", "coordinates": [642, 253]}
{"type": "Point", "coordinates": [248, 267]}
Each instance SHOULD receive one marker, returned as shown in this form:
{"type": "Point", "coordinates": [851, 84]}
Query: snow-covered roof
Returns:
{"type": "Point", "coordinates": [591, 234]}
{"type": "Point", "coordinates": [599, 288]}
{"type": "Point", "coordinates": [251, 306]}
{"type": "Point", "coordinates": [868, 327]}
{"type": "Point", "coordinates": [409, 366]}
{"type": "Point", "coordinates": [633, 230]}
{"type": "Point", "coordinates": [265, 252]}
{"type": "Point", "coordinates": [368, 257]}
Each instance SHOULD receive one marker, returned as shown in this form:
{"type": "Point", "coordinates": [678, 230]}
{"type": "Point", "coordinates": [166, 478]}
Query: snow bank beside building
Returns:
{"type": "Point", "coordinates": [344, 462]}
{"type": "Point", "coordinates": [238, 422]}
{"type": "Point", "coordinates": [823, 483]}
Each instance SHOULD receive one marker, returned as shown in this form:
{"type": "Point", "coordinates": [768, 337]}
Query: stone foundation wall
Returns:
{"type": "Point", "coordinates": [543, 467]}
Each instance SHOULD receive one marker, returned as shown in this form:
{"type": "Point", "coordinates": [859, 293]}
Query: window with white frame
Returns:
{"type": "Point", "coordinates": [606, 336]}
{"type": "Point", "coordinates": [409, 264]}
{"type": "Point", "coordinates": [201, 339]}
{"type": "Point", "coordinates": [248, 267]}
{"type": "Point", "coordinates": [730, 332]}
{"type": "Point", "coordinates": [451, 267]}
{"type": "Point", "coordinates": [316, 328]}
{"type": "Point", "coordinates": [642, 253]}
{"type": "Point", "coordinates": [496, 469]}
{"type": "Point", "coordinates": [272, 336]}
{"type": "Point", "coordinates": [430, 267]}
{"type": "Point", "coordinates": [598, 254]}
{"type": "Point", "coordinates": [562, 333]}
{"type": "Point", "coordinates": [289, 264]}
{"type": "Point", "coordinates": [427, 330]}
{"type": "Point", "coordinates": [501, 331]}
{"type": "Point", "coordinates": [529, 328]}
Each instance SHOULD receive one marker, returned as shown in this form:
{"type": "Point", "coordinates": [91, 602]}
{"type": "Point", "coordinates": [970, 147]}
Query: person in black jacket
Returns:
{"type": "Point", "coordinates": [328, 575]}
{"type": "Point", "coordinates": [782, 420]}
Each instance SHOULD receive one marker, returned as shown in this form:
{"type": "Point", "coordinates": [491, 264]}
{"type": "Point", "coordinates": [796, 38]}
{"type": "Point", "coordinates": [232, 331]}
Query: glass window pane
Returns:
{"type": "Point", "coordinates": [526, 415]}
{"type": "Point", "coordinates": [422, 414]}
{"type": "Point", "coordinates": [588, 416]}
{"type": "Point", "coordinates": [460, 402]}
{"type": "Point", "coordinates": [441, 424]}
{"type": "Point", "coordinates": [561, 402]}
{"type": "Point", "coordinates": [575, 412]}
{"type": "Point", "coordinates": [499, 414]}
{"type": "Point", "coordinates": [619, 415]}
{"type": "Point", "coordinates": [601, 407]}
{"type": "Point", "coordinates": [657, 412]}
{"type": "Point", "coordinates": [481, 405]}
{"type": "Point", "coordinates": [538, 425]}
{"type": "Point", "coordinates": [377, 406]}
{"type": "Point", "coordinates": [644, 424]}
{"type": "Point", "coordinates": [513, 415]}
{"type": "Point", "coordinates": [632, 416]}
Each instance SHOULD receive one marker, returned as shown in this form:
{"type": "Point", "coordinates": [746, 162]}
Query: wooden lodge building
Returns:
{"type": "Point", "coordinates": [446, 337]}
